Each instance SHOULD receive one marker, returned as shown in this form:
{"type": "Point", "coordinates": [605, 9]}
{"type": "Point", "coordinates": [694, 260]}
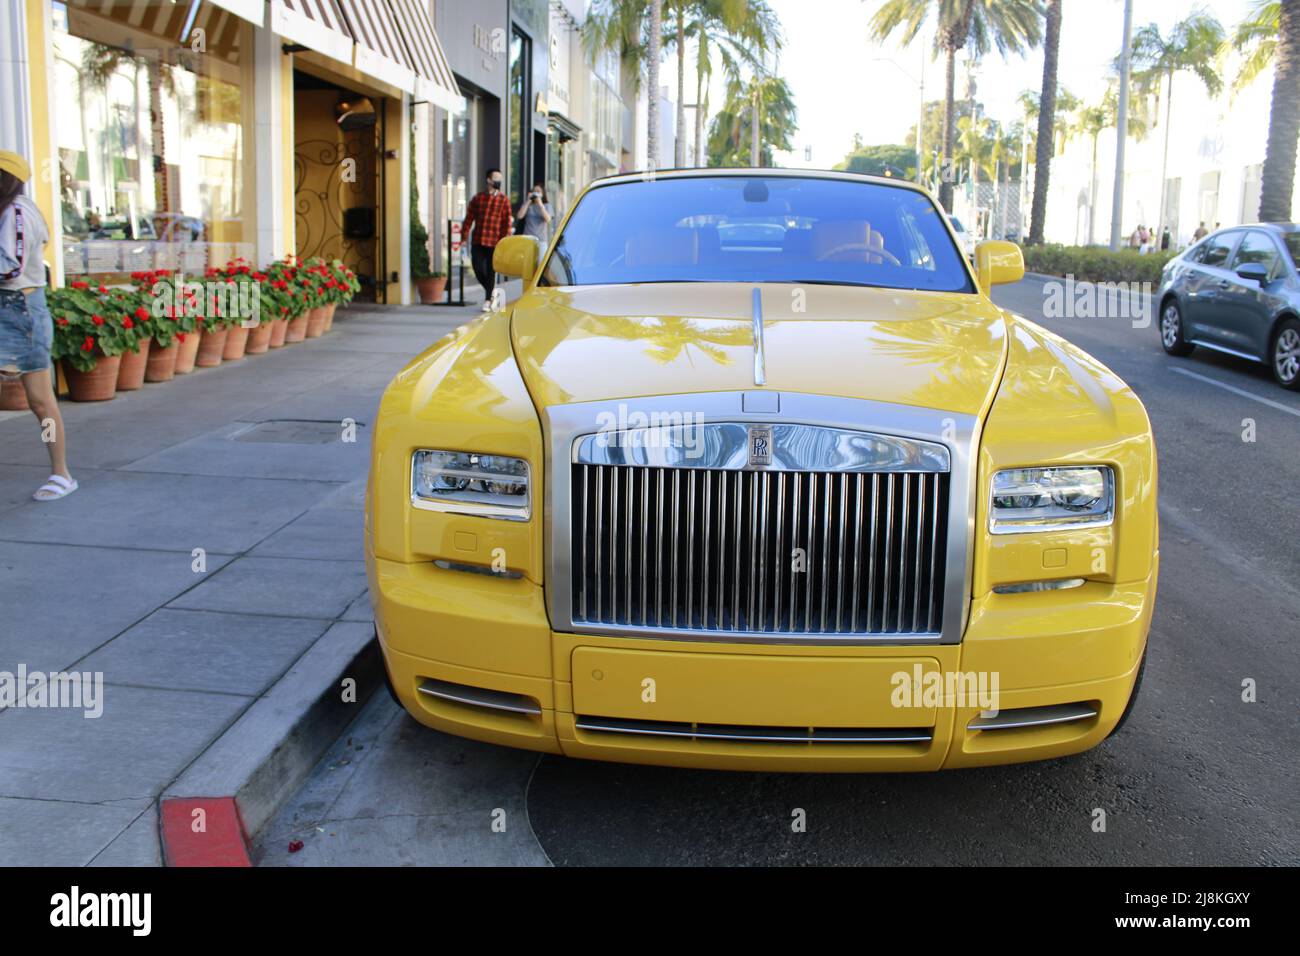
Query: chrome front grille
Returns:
{"type": "Point", "coordinates": [769, 552]}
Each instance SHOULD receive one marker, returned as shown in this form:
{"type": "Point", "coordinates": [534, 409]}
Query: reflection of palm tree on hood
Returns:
{"type": "Point", "coordinates": [670, 336]}
{"type": "Point", "coordinates": [945, 352]}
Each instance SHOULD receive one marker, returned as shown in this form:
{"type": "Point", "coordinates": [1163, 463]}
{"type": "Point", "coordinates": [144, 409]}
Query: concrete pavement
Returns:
{"type": "Point", "coordinates": [216, 538]}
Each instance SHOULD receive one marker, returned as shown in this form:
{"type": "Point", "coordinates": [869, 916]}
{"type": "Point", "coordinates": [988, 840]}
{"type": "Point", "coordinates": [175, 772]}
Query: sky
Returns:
{"type": "Point", "coordinates": [844, 83]}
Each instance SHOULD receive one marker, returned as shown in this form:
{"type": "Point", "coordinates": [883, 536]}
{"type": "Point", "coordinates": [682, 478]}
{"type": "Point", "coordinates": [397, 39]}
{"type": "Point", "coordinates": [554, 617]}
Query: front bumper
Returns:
{"type": "Point", "coordinates": [444, 628]}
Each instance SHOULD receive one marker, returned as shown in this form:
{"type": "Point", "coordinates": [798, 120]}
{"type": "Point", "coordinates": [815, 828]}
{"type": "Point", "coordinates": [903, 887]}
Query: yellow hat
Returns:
{"type": "Point", "coordinates": [16, 165]}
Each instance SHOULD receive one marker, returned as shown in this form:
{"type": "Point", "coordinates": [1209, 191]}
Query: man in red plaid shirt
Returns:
{"type": "Point", "coordinates": [490, 212]}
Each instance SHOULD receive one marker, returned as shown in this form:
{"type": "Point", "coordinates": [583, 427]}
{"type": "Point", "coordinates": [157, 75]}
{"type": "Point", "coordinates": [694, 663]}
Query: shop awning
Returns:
{"type": "Point", "coordinates": [380, 51]}
{"type": "Point", "coordinates": [433, 77]}
{"type": "Point", "coordinates": [250, 10]}
{"type": "Point", "coordinates": [315, 24]}
{"type": "Point", "coordinates": [391, 40]}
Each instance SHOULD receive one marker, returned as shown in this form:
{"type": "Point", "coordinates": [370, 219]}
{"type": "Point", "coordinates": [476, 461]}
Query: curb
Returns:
{"type": "Point", "coordinates": [209, 815]}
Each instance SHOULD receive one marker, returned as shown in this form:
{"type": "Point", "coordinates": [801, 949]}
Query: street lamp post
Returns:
{"type": "Point", "coordinates": [1121, 130]}
{"type": "Point", "coordinates": [920, 116]}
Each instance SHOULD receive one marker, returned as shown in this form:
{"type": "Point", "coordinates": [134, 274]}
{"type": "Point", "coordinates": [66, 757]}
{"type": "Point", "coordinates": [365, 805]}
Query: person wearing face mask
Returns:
{"type": "Point", "coordinates": [489, 212]}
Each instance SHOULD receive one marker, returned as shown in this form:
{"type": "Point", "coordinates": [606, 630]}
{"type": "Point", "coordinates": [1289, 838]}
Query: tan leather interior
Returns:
{"type": "Point", "coordinates": [846, 240]}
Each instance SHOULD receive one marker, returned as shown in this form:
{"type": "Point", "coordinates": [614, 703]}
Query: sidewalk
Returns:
{"type": "Point", "coordinates": [245, 462]}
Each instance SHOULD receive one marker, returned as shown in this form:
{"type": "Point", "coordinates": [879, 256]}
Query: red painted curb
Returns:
{"type": "Point", "coordinates": [219, 840]}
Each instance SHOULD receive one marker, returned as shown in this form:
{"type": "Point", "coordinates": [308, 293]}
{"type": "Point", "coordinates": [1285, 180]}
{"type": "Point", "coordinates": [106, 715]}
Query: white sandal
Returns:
{"type": "Point", "coordinates": [55, 488]}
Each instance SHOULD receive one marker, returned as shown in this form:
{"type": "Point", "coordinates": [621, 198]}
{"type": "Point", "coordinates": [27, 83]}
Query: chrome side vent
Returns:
{"type": "Point", "coordinates": [1020, 717]}
{"type": "Point", "coordinates": [784, 552]}
{"type": "Point", "coordinates": [480, 697]}
{"type": "Point", "coordinates": [754, 734]}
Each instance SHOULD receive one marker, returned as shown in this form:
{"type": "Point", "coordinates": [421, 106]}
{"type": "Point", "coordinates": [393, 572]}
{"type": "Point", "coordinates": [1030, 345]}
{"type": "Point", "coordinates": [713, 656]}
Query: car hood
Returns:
{"type": "Point", "coordinates": [596, 343]}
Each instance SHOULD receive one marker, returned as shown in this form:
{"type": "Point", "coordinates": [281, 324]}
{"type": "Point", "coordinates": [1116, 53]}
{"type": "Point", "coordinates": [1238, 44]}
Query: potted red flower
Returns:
{"type": "Point", "coordinates": [259, 336]}
{"type": "Point", "coordinates": [313, 277]}
{"type": "Point", "coordinates": [279, 304]}
{"type": "Point", "coordinates": [87, 343]}
{"type": "Point", "coordinates": [173, 309]}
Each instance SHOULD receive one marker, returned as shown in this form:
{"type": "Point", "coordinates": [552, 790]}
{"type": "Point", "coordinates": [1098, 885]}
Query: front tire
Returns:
{"type": "Point", "coordinates": [1171, 330]}
{"type": "Point", "coordinates": [1284, 357]}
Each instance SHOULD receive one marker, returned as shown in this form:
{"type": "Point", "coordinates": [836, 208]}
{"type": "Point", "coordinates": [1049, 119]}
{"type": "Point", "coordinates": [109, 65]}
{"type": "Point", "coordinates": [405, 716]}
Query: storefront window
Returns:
{"type": "Point", "coordinates": [150, 123]}
{"type": "Point", "coordinates": [518, 115]}
{"type": "Point", "coordinates": [459, 179]}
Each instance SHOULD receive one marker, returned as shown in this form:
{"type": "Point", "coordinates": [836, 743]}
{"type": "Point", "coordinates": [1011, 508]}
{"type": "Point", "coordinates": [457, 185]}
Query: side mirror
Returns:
{"type": "Point", "coordinates": [997, 262]}
{"type": "Point", "coordinates": [1253, 272]}
{"type": "Point", "coordinates": [517, 256]}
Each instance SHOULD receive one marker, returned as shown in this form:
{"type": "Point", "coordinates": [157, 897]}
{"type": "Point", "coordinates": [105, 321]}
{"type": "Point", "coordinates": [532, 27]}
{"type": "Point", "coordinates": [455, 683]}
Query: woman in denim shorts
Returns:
{"type": "Point", "coordinates": [26, 329]}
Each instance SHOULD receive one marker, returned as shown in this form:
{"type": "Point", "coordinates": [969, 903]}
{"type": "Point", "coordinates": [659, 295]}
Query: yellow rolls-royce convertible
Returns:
{"type": "Point", "coordinates": [755, 475]}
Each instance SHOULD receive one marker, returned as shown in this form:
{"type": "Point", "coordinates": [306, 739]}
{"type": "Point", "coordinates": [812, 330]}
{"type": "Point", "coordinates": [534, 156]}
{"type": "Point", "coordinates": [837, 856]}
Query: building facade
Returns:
{"type": "Point", "coordinates": [1216, 148]}
{"type": "Point", "coordinates": [182, 135]}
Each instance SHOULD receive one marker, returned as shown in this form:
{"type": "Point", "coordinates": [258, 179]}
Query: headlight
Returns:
{"type": "Point", "coordinates": [493, 486]}
{"type": "Point", "coordinates": [1051, 499]}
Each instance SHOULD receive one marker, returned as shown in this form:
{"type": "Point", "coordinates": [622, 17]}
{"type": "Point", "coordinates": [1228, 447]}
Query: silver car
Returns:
{"type": "Point", "coordinates": [1237, 291]}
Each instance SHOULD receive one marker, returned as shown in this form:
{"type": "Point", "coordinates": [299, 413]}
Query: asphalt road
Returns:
{"type": "Point", "coordinates": [1197, 776]}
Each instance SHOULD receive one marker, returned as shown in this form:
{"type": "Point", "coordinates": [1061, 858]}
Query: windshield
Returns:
{"type": "Point", "coordinates": [757, 229]}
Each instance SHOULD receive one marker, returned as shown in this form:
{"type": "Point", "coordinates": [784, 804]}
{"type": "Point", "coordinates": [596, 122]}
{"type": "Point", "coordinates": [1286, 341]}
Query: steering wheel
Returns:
{"type": "Point", "coordinates": [859, 247]}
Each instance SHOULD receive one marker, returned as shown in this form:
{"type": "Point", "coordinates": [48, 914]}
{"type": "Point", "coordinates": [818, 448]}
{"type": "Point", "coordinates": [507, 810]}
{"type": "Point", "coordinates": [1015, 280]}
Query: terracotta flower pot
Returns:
{"type": "Point", "coordinates": [162, 362]}
{"type": "Point", "coordinates": [431, 290]}
{"type": "Point", "coordinates": [13, 397]}
{"type": "Point", "coordinates": [297, 329]}
{"type": "Point", "coordinates": [130, 371]}
{"type": "Point", "coordinates": [187, 351]}
{"type": "Point", "coordinates": [278, 330]}
{"type": "Point", "coordinates": [236, 343]}
{"type": "Point", "coordinates": [329, 316]}
{"type": "Point", "coordinates": [259, 339]}
{"type": "Point", "coordinates": [316, 322]}
{"type": "Point", "coordinates": [211, 346]}
{"type": "Point", "coordinates": [97, 385]}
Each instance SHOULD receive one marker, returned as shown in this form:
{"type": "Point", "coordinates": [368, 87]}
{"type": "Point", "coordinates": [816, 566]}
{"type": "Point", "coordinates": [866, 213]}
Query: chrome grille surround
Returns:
{"type": "Point", "coordinates": [836, 438]}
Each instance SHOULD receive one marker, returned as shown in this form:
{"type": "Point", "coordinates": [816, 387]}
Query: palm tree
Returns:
{"type": "Point", "coordinates": [634, 30]}
{"type": "Point", "coordinates": [1005, 153]}
{"type": "Point", "coordinates": [1255, 38]}
{"type": "Point", "coordinates": [975, 146]}
{"type": "Point", "coordinates": [1046, 122]}
{"type": "Point", "coordinates": [740, 33]}
{"type": "Point", "coordinates": [1090, 121]}
{"type": "Point", "coordinates": [1282, 18]}
{"type": "Point", "coordinates": [1193, 44]}
{"type": "Point", "coordinates": [652, 63]}
{"type": "Point", "coordinates": [679, 12]}
{"type": "Point", "coordinates": [732, 128]}
{"type": "Point", "coordinates": [1009, 25]}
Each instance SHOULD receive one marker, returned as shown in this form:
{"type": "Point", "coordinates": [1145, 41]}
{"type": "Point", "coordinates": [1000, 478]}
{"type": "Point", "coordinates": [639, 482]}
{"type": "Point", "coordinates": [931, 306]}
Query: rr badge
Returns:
{"type": "Point", "coordinates": [760, 446]}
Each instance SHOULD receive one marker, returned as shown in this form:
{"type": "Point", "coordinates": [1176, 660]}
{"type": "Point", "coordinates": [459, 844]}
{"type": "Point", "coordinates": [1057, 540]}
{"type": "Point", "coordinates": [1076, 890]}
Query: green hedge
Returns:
{"type": "Point", "coordinates": [1096, 264]}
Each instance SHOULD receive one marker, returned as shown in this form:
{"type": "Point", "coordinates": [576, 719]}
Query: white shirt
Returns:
{"type": "Point", "coordinates": [35, 235]}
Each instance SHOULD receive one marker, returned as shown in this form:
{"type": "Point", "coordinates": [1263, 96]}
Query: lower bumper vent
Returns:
{"type": "Point", "coordinates": [753, 734]}
{"type": "Point", "coordinates": [480, 697]}
{"type": "Point", "coordinates": [1020, 717]}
